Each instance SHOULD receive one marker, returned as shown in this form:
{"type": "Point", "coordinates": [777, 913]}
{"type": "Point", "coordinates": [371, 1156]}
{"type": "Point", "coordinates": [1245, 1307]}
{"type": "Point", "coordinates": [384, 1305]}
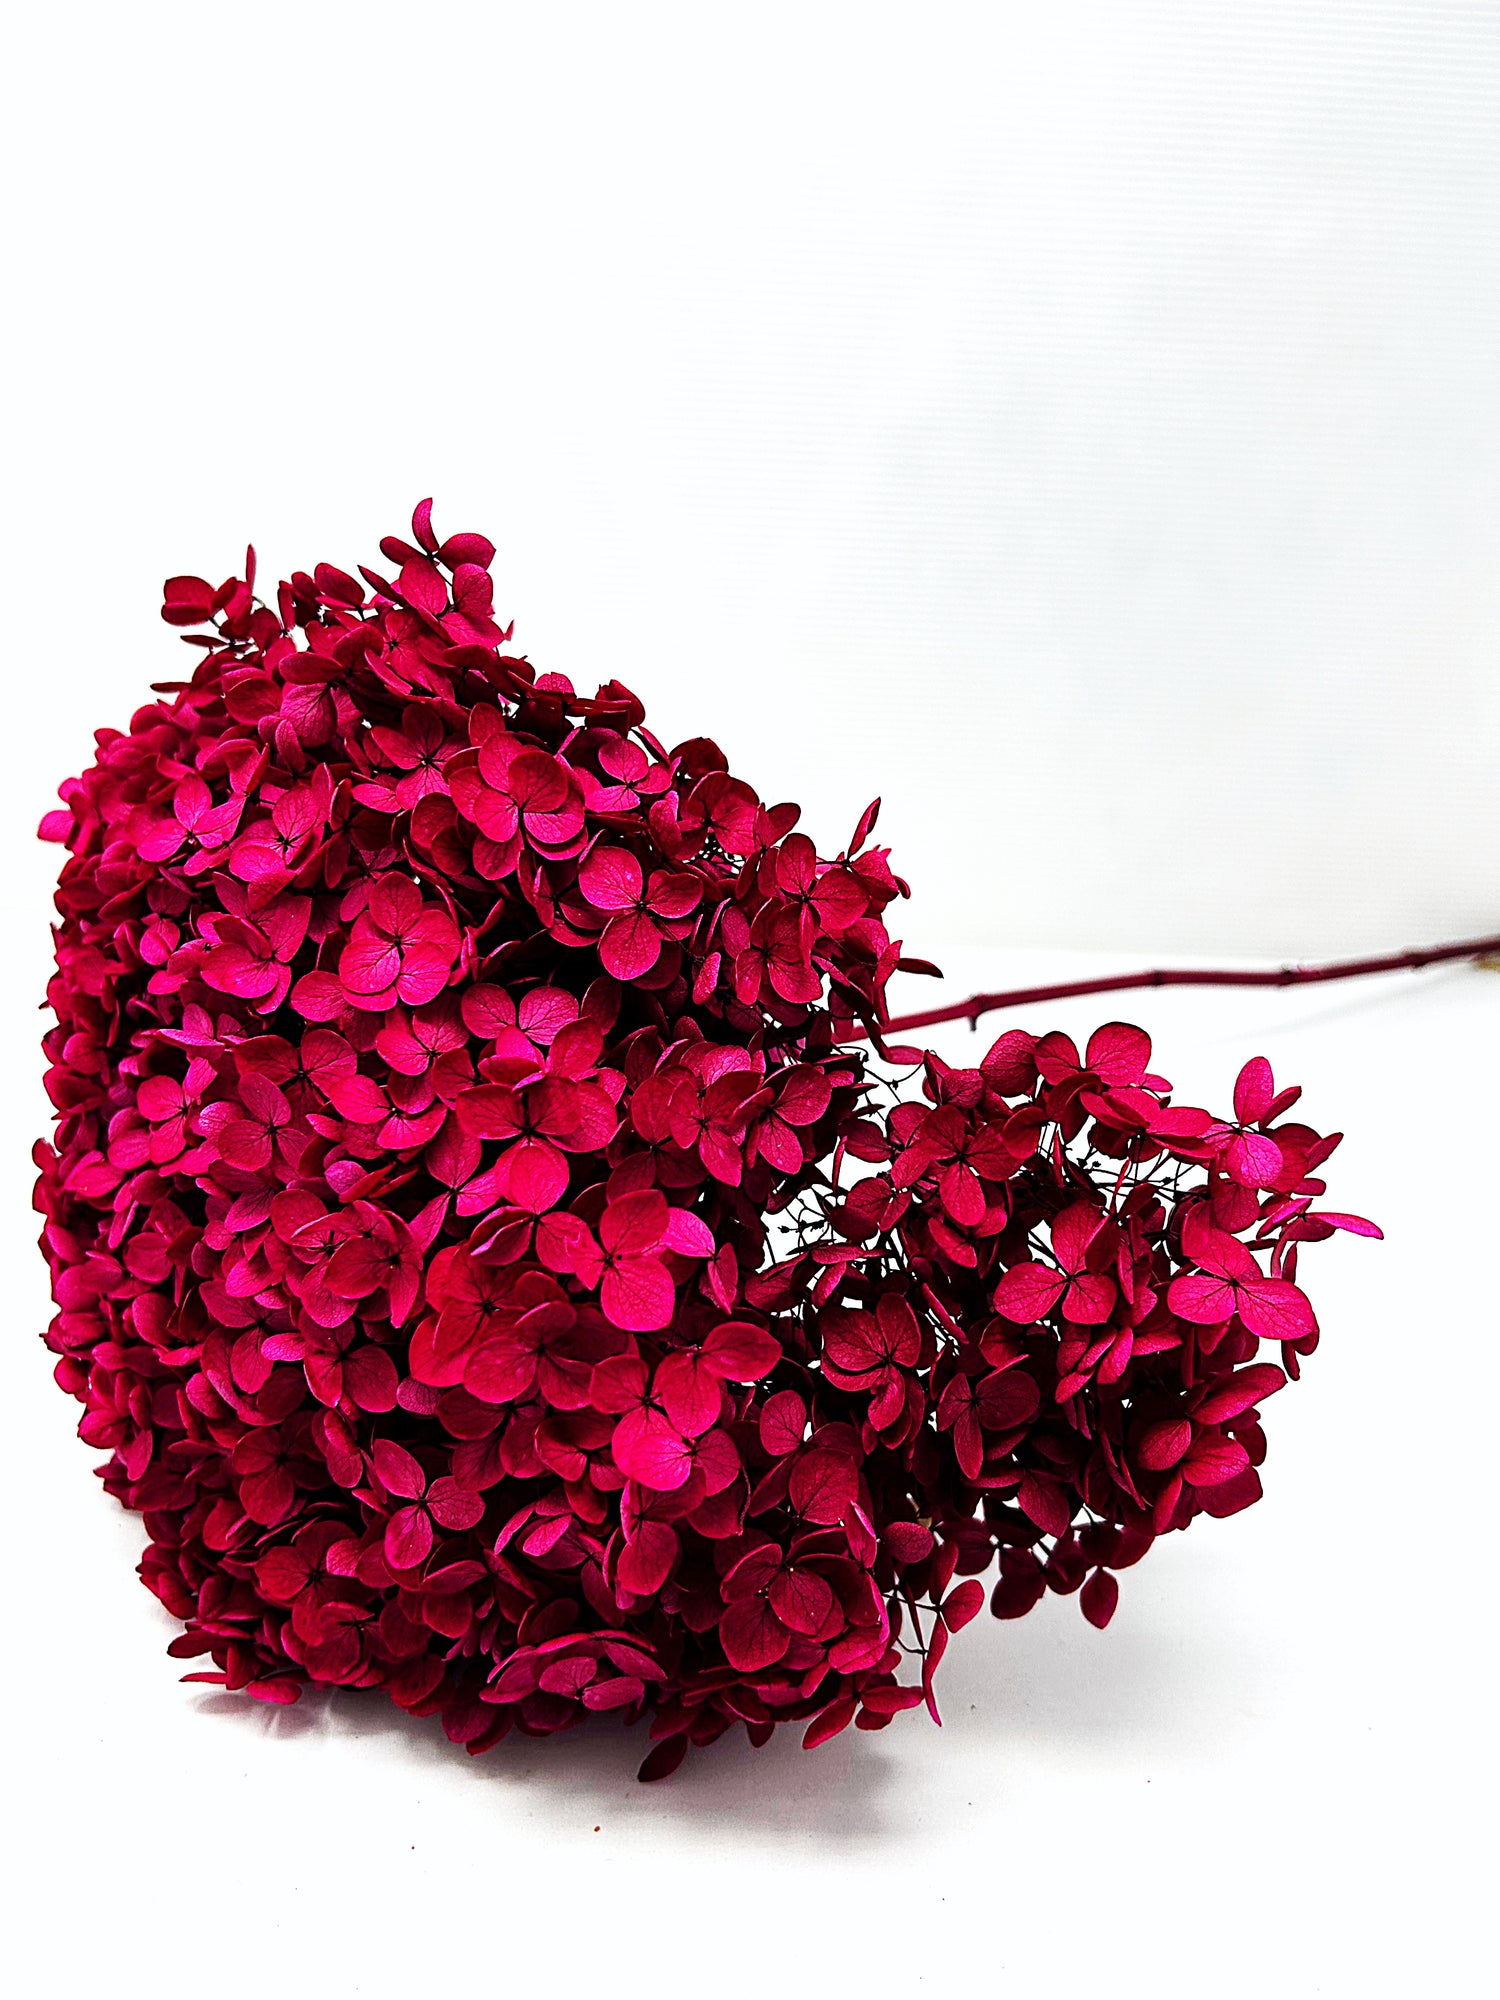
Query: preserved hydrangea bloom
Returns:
{"type": "Point", "coordinates": [497, 1271]}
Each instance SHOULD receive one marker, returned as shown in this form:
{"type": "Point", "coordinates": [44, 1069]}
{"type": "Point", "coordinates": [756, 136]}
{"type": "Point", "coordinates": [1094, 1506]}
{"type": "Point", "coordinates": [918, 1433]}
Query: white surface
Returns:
{"type": "Point", "coordinates": [1081, 425]}
{"type": "Point", "coordinates": [1272, 1774]}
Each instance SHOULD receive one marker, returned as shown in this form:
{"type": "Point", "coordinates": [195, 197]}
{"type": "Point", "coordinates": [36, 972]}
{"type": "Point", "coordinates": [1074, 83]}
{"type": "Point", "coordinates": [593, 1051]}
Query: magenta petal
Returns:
{"type": "Point", "coordinates": [1028, 1292]}
{"type": "Point", "coordinates": [663, 1760]}
{"type": "Point", "coordinates": [801, 1599]}
{"type": "Point", "coordinates": [1008, 1398]}
{"type": "Point", "coordinates": [280, 1691]}
{"type": "Point", "coordinates": [424, 974]}
{"type": "Point", "coordinates": [1205, 1300]}
{"type": "Point", "coordinates": [500, 1371]}
{"type": "Point", "coordinates": [1118, 1053]}
{"type": "Point", "coordinates": [829, 1722]}
{"type": "Point", "coordinates": [1072, 1233]}
{"type": "Point", "coordinates": [455, 1506]}
{"type": "Point", "coordinates": [691, 1392]}
{"type": "Point", "coordinates": [716, 1462]}
{"type": "Point", "coordinates": [783, 1423]}
{"type": "Point", "coordinates": [752, 1636]}
{"type": "Point", "coordinates": [688, 1235]}
{"type": "Point", "coordinates": [638, 1295]}
{"type": "Point", "coordinates": [1098, 1598]}
{"type": "Point", "coordinates": [647, 1558]}
{"type": "Point", "coordinates": [1163, 1444]}
{"type": "Point", "coordinates": [370, 963]}
{"type": "Point", "coordinates": [962, 1195]}
{"type": "Point", "coordinates": [533, 1175]}
{"type": "Point", "coordinates": [962, 1603]}
{"type": "Point", "coordinates": [1213, 1460]}
{"type": "Point", "coordinates": [751, 1575]}
{"type": "Point", "coordinates": [635, 1223]}
{"type": "Point", "coordinates": [1042, 1501]}
{"type": "Point", "coordinates": [408, 1538]}
{"type": "Point", "coordinates": [1254, 1091]}
{"type": "Point", "coordinates": [564, 1242]}
{"type": "Point", "coordinates": [397, 1470]}
{"type": "Point", "coordinates": [1253, 1160]}
{"type": "Point", "coordinates": [617, 1693]}
{"type": "Point", "coordinates": [631, 945]}
{"type": "Point", "coordinates": [742, 1353]}
{"type": "Point", "coordinates": [1245, 1388]}
{"type": "Point", "coordinates": [648, 1447]}
{"type": "Point", "coordinates": [1275, 1310]}
{"type": "Point", "coordinates": [422, 586]}
{"type": "Point", "coordinates": [909, 1541]}
{"type": "Point", "coordinates": [824, 1484]}
{"type": "Point", "coordinates": [1089, 1299]}
{"type": "Point", "coordinates": [1355, 1224]}
{"type": "Point", "coordinates": [611, 879]}
{"type": "Point", "coordinates": [568, 1677]}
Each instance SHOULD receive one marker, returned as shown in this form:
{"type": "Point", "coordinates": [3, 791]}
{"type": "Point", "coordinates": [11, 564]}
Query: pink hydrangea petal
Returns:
{"type": "Point", "coordinates": [1254, 1089]}
{"type": "Point", "coordinates": [1027, 1292]}
{"type": "Point", "coordinates": [1276, 1310]}
{"type": "Point", "coordinates": [611, 879]}
{"type": "Point", "coordinates": [533, 1175]}
{"type": "Point", "coordinates": [753, 1637]}
{"type": "Point", "coordinates": [1199, 1297]}
{"type": "Point", "coordinates": [647, 1446]}
{"type": "Point", "coordinates": [638, 1295]}
{"type": "Point", "coordinates": [631, 945]}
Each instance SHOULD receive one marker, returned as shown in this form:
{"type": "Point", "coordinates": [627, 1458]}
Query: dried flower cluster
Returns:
{"type": "Point", "coordinates": [495, 1268]}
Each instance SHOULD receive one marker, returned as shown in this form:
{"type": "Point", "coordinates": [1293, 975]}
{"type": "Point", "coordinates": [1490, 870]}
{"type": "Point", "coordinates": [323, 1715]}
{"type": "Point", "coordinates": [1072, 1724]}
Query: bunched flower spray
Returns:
{"type": "Point", "coordinates": [505, 1256]}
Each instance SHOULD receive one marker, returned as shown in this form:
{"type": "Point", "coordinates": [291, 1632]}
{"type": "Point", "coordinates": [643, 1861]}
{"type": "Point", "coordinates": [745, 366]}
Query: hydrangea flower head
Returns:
{"type": "Point", "coordinates": [504, 1261]}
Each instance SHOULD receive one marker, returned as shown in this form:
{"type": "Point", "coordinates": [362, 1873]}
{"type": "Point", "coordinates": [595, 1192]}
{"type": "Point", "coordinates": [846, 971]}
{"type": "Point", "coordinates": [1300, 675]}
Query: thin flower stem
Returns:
{"type": "Point", "coordinates": [1285, 975]}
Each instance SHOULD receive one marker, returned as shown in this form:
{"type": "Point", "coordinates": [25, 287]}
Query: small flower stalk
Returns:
{"type": "Point", "coordinates": [505, 1261]}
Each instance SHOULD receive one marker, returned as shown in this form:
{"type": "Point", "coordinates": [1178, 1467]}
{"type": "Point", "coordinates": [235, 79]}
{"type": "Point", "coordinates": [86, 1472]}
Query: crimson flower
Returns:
{"type": "Point", "coordinates": [1028, 1292]}
{"type": "Point", "coordinates": [492, 1265]}
{"type": "Point", "coordinates": [1229, 1281]}
{"type": "Point", "coordinates": [432, 1504]}
{"type": "Point", "coordinates": [640, 913]}
{"type": "Point", "coordinates": [400, 949]}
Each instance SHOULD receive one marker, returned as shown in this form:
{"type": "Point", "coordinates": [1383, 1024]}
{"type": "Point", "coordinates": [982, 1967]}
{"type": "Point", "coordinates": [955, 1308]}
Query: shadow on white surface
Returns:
{"type": "Point", "coordinates": [1147, 1689]}
{"type": "Point", "coordinates": [838, 1796]}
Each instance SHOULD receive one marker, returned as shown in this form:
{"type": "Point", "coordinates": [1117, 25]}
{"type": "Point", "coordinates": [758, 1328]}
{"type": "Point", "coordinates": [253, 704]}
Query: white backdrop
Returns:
{"type": "Point", "coordinates": [1080, 425]}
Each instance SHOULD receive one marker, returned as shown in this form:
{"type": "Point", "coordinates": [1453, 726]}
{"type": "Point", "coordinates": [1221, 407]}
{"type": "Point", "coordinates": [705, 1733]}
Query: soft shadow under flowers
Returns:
{"type": "Point", "coordinates": [839, 1795]}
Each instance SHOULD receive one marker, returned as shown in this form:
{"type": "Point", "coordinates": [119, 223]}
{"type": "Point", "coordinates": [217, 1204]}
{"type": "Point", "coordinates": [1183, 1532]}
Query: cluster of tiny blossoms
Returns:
{"type": "Point", "coordinates": [493, 1264]}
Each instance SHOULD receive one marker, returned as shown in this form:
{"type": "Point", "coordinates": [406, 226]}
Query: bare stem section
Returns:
{"type": "Point", "coordinates": [1484, 950]}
